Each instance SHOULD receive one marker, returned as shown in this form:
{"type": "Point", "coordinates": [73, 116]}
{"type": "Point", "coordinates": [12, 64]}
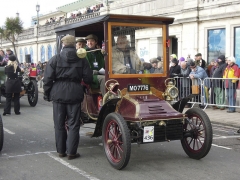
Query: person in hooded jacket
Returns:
{"type": "Point", "coordinates": [219, 90]}
{"type": "Point", "coordinates": [12, 86]}
{"type": "Point", "coordinates": [231, 73]}
{"type": "Point", "coordinates": [62, 85]}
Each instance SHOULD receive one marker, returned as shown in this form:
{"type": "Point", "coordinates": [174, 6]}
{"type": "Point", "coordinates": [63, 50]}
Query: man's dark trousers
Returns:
{"type": "Point", "coordinates": [70, 113]}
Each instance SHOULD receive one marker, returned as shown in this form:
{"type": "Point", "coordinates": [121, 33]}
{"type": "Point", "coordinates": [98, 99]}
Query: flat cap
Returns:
{"type": "Point", "coordinates": [154, 60]}
{"type": "Point", "coordinates": [8, 49]}
{"type": "Point", "coordinates": [12, 58]}
{"type": "Point", "coordinates": [81, 40]}
{"type": "Point", "coordinates": [92, 36]}
{"type": "Point", "coordinates": [198, 54]}
{"type": "Point", "coordinates": [68, 40]}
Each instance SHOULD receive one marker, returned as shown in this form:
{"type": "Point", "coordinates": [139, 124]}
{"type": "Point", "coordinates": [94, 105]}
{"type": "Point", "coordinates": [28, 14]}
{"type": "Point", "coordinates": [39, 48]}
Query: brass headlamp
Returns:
{"type": "Point", "coordinates": [171, 92]}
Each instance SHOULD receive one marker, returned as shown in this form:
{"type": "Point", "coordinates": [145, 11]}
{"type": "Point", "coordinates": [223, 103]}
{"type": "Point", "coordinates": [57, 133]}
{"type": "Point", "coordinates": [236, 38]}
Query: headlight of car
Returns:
{"type": "Point", "coordinates": [171, 92]}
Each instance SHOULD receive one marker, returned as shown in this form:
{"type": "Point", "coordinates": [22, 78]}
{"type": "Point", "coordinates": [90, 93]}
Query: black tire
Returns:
{"type": "Point", "coordinates": [197, 141]}
{"type": "Point", "coordinates": [32, 93]}
{"type": "Point", "coordinates": [1, 133]}
{"type": "Point", "coordinates": [116, 140]}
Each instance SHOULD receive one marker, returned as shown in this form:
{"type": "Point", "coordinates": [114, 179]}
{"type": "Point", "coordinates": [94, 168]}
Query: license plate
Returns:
{"type": "Point", "coordinates": [148, 134]}
{"type": "Point", "coordinates": [142, 87]}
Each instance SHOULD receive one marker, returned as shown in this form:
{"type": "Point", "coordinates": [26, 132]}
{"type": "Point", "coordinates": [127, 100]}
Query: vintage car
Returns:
{"type": "Point", "coordinates": [138, 106]}
{"type": "Point", "coordinates": [29, 84]}
{"type": "Point", "coordinates": [1, 133]}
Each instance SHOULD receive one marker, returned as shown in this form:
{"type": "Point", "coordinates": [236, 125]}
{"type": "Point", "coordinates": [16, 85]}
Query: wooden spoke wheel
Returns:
{"type": "Point", "coordinates": [197, 131]}
{"type": "Point", "coordinates": [116, 140]}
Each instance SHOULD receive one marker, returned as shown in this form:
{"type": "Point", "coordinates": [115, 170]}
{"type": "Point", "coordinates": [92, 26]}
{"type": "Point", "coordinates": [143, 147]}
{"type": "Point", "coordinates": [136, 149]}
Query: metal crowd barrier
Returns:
{"type": "Point", "coordinates": [212, 91]}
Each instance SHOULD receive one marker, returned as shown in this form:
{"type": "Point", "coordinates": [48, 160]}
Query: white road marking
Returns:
{"type": "Point", "coordinates": [8, 131]}
{"type": "Point", "coordinates": [74, 168]}
{"type": "Point", "coordinates": [22, 155]}
{"type": "Point", "coordinates": [226, 137]}
{"type": "Point", "coordinates": [221, 146]}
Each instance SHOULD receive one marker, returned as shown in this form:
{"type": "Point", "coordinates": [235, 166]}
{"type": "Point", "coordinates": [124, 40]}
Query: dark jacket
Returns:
{"type": "Point", "coordinates": [63, 75]}
{"type": "Point", "coordinates": [185, 81]}
{"type": "Point", "coordinates": [174, 71]}
{"type": "Point", "coordinates": [218, 73]}
{"type": "Point", "coordinates": [203, 64]}
{"type": "Point", "coordinates": [91, 57]}
{"type": "Point", "coordinates": [13, 83]}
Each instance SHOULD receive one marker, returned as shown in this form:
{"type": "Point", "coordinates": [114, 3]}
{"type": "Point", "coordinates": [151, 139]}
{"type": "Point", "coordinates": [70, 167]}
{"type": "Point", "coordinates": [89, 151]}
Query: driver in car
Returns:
{"type": "Point", "coordinates": [124, 59]}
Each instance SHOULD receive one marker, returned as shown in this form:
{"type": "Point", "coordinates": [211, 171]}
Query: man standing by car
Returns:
{"type": "Point", "coordinates": [62, 85]}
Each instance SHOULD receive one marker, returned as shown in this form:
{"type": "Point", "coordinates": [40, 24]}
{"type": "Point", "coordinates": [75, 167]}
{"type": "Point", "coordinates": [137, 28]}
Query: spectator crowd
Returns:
{"type": "Point", "coordinates": [216, 81]}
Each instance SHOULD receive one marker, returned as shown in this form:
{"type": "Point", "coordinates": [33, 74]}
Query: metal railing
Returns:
{"type": "Point", "coordinates": [212, 91]}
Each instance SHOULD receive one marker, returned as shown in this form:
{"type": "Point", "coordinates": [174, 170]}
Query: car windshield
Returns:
{"type": "Point", "coordinates": [136, 50]}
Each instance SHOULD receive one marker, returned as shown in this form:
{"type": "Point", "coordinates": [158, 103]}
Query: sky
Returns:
{"type": "Point", "coordinates": [27, 9]}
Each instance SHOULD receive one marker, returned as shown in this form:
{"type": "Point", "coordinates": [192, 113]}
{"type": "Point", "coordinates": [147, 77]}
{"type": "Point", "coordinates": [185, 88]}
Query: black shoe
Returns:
{"type": "Point", "coordinates": [70, 157]}
{"type": "Point", "coordinates": [4, 114]}
{"type": "Point", "coordinates": [62, 155]}
{"type": "Point", "coordinates": [18, 113]}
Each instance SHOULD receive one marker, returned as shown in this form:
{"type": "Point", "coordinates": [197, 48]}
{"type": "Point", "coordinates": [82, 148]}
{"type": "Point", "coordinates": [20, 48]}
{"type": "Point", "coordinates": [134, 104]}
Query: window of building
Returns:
{"type": "Point", "coordinates": [21, 55]}
{"type": "Point", "coordinates": [55, 50]}
{"type": "Point", "coordinates": [42, 54]}
{"type": "Point", "coordinates": [237, 45]}
{"type": "Point", "coordinates": [216, 43]}
{"type": "Point", "coordinates": [25, 51]}
{"type": "Point", "coordinates": [49, 51]}
{"type": "Point", "coordinates": [31, 53]}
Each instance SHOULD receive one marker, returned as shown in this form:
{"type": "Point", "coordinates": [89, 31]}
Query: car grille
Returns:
{"type": "Point", "coordinates": [172, 131]}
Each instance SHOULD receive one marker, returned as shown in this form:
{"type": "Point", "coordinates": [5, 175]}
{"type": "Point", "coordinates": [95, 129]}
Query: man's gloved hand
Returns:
{"type": "Point", "coordinates": [174, 74]}
{"type": "Point", "coordinates": [103, 51]}
{"type": "Point", "coordinates": [95, 72]}
{"type": "Point", "coordinates": [46, 97]}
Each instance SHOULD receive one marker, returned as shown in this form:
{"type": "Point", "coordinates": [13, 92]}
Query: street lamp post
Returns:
{"type": "Point", "coordinates": [37, 9]}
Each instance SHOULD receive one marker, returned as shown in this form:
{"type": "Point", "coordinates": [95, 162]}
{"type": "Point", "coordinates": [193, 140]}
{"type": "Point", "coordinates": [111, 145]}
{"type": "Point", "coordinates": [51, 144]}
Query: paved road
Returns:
{"type": "Point", "coordinates": [29, 154]}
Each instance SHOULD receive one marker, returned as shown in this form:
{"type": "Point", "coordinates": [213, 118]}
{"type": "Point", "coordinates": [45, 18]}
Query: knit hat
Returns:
{"type": "Point", "coordinates": [159, 58]}
{"type": "Point", "coordinates": [182, 59]}
{"type": "Point", "coordinates": [192, 64]}
{"type": "Point", "coordinates": [68, 40]}
{"type": "Point", "coordinates": [222, 57]}
{"type": "Point", "coordinates": [175, 61]}
{"type": "Point", "coordinates": [12, 58]}
{"type": "Point", "coordinates": [173, 56]}
{"type": "Point", "coordinates": [92, 36]}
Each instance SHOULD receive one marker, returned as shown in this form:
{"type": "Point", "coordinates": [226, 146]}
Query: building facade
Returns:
{"type": "Point", "coordinates": [211, 27]}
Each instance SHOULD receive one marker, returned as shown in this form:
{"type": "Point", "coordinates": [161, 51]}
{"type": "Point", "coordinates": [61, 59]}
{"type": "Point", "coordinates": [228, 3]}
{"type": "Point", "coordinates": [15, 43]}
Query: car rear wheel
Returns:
{"type": "Point", "coordinates": [116, 140]}
{"type": "Point", "coordinates": [32, 93]}
{"type": "Point", "coordinates": [1, 133]}
{"type": "Point", "coordinates": [197, 131]}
